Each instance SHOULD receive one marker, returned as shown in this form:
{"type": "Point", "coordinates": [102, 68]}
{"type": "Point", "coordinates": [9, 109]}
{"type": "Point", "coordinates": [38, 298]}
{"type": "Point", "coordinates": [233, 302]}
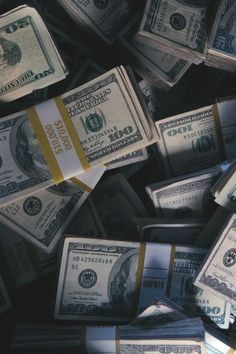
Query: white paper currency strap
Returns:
{"type": "Point", "coordinates": [58, 139]}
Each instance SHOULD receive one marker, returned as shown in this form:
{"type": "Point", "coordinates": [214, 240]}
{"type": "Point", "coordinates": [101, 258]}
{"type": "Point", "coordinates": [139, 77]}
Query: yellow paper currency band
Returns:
{"type": "Point", "coordinates": [45, 145]}
{"type": "Point", "coordinates": [171, 265]}
{"type": "Point", "coordinates": [117, 339]}
{"type": "Point", "coordinates": [81, 184]}
{"type": "Point", "coordinates": [219, 132]}
{"type": "Point", "coordinates": [138, 280]}
{"type": "Point", "coordinates": [72, 132]}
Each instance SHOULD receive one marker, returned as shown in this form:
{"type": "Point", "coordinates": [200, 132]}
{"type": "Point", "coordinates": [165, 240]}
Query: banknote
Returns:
{"type": "Point", "coordinates": [217, 272]}
{"type": "Point", "coordinates": [5, 303]}
{"type": "Point", "coordinates": [188, 196]}
{"type": "Point", "coordinates": [190, 141]}
{"type": "Point", "coordinates": [29, 59]}
{"type": "Point", "coordinates": [225, 190]}
{"type": "Point", "coordinates": [163, 230]}
{"type": "Point", "coordinates": [196, 301]}
{"type": "Point", "coordinates": [136, 156]}
{"type": "Point", "coordinates": [217, 343]}
{"type": "Point", "coordinates": [107, 125]}
{"type": "Point", "coordinates": [116, 202]}
{"type": "Point", "coordinates": [161, 69]}
{"type": "Point", "coordinates": [21, 262]}
{"type": "Point", "coordinates": [42, 217]}
{"type": "Point", "coordinates": [221, 47]}
{"type": "Point", "coordinates": [178, 26]}
{"type": "Point", "coordinates": [105, 18]}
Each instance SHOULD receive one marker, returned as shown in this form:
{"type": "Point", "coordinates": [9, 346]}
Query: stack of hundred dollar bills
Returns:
{"type": "Point", "coordinates": [117, 198]}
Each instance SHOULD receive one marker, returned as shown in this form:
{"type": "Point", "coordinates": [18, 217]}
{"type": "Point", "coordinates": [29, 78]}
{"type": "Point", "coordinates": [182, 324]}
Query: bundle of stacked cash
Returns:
{"type": "Point", "coordinates": [61, 138]}
{"type": "Point", "coordinates": [217, 272]}
{"type": "Point", "coordinates": [224, 189]}
{"type": "Point", "coordinates": [162, 230]}
{"type": "Point", "coordinates": [112, 281]}
{"type": "Point", "coordinates": [198, 139]}
{"type": "Point", "coordinates": [188, 196]}
{"type": "Point", "coordinates": [161, 69]}
{"type": "Point", "coordinates": [42, 217]}
{"type": "Point", "coordinates": [105, 18]}
{"type": "Point", "coordinates": [29, 59]}
{"type": "Point", "coordinates": [116, 202]}
{"type": "Point", "coordinates": [178, 27]}
{"type": "Point", "coordinates": [21, 262]}
{"type": "Point", "coordinates": [161, 326]}
{"type": "Point", "coordinates": [221, 51]}
{"type": "Point", "coordinates": [5, 303]}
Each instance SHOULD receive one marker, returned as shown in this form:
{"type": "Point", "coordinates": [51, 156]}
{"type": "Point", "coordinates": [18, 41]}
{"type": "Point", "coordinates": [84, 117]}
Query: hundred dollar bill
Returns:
{"type": "Point", "coordinates": [116, 202]}
{"type": "Point", "coordinates": [29, 59]}
{"type": "Point", "coordinates": [221, 48]}
{"type": "Point", "coordinates": [217, 272]}
{"type": "Point", "coordinates": [103, 280]}
{"type": "Point", "coordinates": [161, 69]}
{"type": "Point", "coordinates": [196, 301]}
{"type": "Point", "coordinates": [41, 218]}
{"type": "Point", "coordinates": [184, 197]}
{"type": "Point", "coordinates": [21, 262]}
{"type": "Point", "coordinates": [86, 127]}
{"type": "Point", "coordinates": [5, 303]}
{"type": "Point", "coordinates": [105, 18]}
{"type": "Point", "coordinates": [198, 139]}
{"type": "Point", "coordinates": [167, 230]}
{"type": "Point", "coordinates": [179, 27]}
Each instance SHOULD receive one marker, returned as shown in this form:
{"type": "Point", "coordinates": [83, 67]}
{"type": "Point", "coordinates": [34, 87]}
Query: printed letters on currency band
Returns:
{"type": "Point", "coordinates": [58, 139]}
{"type": "Point", "coordinates": [44, 145]}
{"type": "Point", "coordinates": [138, 280]}
{"type": "Point", "coordinates": [72, 132]}
{"type": "Point", "coordinates": [171, 265]}
{"type": "Point", "coordinates": [219, 131]}
{"type": "Point", "coordinates": [81, 184]}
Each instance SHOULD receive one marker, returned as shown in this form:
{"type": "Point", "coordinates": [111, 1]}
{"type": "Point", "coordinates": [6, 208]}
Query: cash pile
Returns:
{"type": "Point", "coordinates": [117, 184]}
{"type": "Point", "coordinates": [221, 47]}
{"type": "Point", "coordinates": [29, 59]}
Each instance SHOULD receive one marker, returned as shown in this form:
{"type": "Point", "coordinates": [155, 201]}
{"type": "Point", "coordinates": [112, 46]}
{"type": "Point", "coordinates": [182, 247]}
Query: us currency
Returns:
{"type": "Point", "coordinates": [41, 218]}
{"type": "Point", "coordinates": [106, 19]}
{"type": "Point", "coordinates": [217, 343]}
{"type": "Point", "coordinates": [178, 27]}
{"type": "Point", "coordinates": [198, 139]}
{"type": "Point", "coordinates": [21, 262]}
{"type": "Point", "coordinates": [196, 301]}
{"type": "Point", "coordinates": [109, 122]}
{"type": "Point", "coordinates": [161, 69]}
{"type": "Point", "coordinates": [29, 59]}
{"type": "Point", "coordinates": [217, 272]}
{"type": "Point", "coordinates": [5, 303]}
{"type": "Point", "coordinates": [116, 202]}
{"type": "Point", "coordinates": [167, 230]}
{"type": "Point", "coordinates": [111, 281]}
{"type": "Point", "coordinates": [221, 47]}
{"type": "Point", "coordinates": [188, 196]}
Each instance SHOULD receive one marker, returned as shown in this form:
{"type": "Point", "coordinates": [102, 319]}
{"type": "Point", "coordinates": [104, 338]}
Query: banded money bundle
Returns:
{"type": "Point", "coordinates": [217, 272]}
{"type": "Point", "coordinates": [60, 138]}
{"type": "Point", "coordinates": [159, 68]}
{"type": "Point", "coordinates": [105, 18]}
{"type": "Point", "coordinates": [112, 281]}
{"type": "Point", "coordinates": [29, 59]}
{"type": "Point", "coordinates": [188, 196]}
{"type": "Point", "coordinates": [221, 48]}
{"type": "Point", "coordinates": [178, 27]}
{"type": "Point", "coordinates": [198, 139]}
{"type": "Point", "coordinates": [161, 326]}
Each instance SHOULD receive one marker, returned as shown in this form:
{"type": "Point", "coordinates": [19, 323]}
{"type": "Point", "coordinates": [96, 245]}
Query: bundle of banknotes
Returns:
{"type": "Point", "coordinates": [117, 177]}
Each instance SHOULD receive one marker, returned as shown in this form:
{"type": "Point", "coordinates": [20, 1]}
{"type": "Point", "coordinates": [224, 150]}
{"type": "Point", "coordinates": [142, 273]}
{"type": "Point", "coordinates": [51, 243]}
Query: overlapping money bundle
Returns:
{"type": "Point", "coordinates": [117, 198]}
